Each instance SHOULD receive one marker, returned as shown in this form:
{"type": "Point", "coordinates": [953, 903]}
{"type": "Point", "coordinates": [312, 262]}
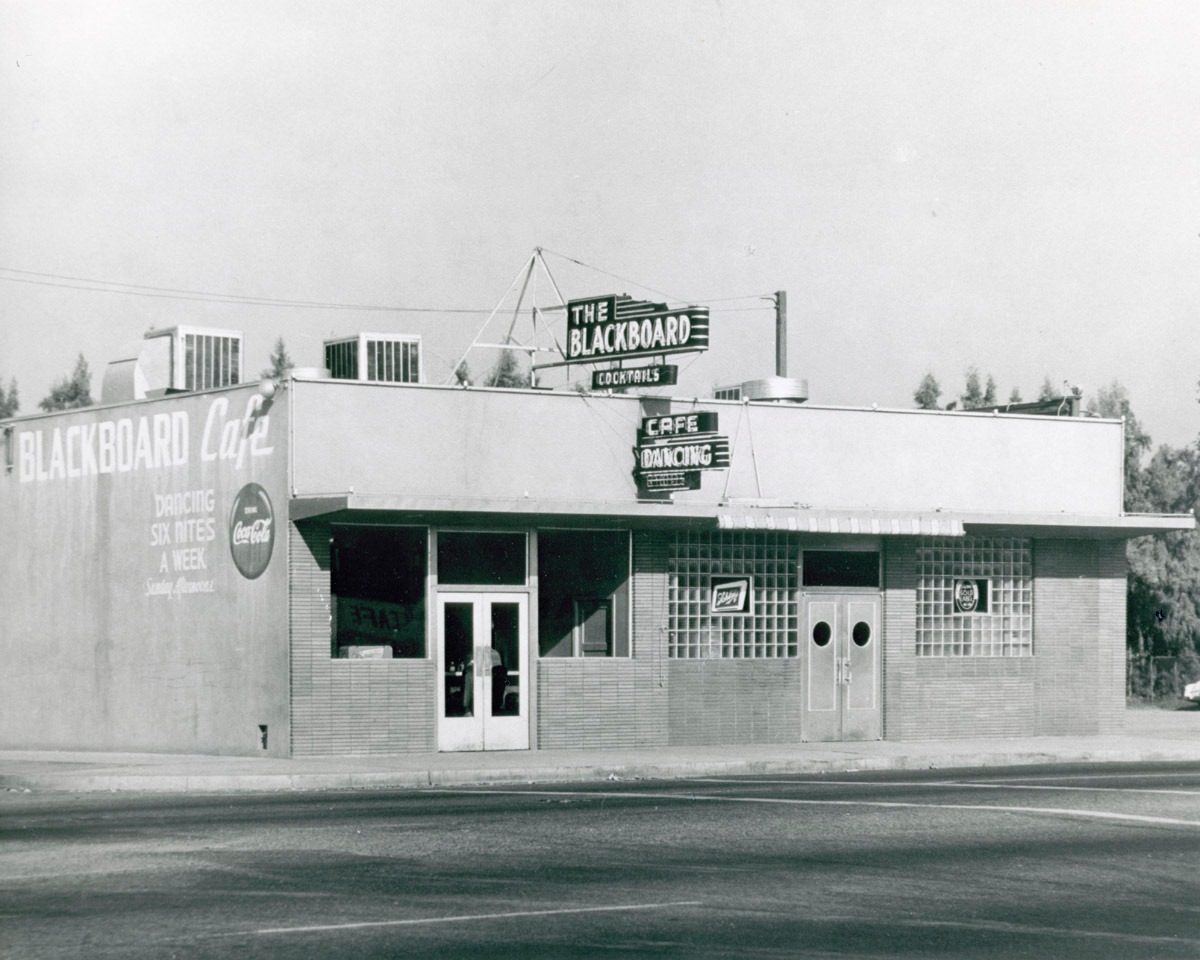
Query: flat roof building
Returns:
{"type": "Point", "coordinates": [350, 566]}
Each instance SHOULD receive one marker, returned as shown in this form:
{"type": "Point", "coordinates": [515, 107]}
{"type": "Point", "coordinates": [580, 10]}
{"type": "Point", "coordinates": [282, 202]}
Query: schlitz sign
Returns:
{"type": "Point", "coordinates": [612, 328]}
{"type": "Point", "coordinates": [730, 595]}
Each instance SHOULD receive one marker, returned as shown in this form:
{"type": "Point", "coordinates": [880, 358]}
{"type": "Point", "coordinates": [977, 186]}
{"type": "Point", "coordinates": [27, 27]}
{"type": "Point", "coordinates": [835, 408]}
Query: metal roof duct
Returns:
{"type": "Point", "coordinates": [768, 389]}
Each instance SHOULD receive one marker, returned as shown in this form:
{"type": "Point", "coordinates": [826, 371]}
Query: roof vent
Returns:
{"type": "Point", "coordinates": [769, 389]}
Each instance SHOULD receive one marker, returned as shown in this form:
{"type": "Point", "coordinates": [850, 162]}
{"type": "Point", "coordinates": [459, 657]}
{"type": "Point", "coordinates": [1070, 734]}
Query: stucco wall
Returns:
{"type": "Point", "coordinates": [127, 624]}
{"type": "Point", "coordinates": [550, 450]}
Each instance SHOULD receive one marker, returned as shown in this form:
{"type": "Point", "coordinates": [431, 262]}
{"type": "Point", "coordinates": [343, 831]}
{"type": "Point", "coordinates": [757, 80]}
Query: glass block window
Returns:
{"type": "Point", "coordinates": [771, 559]}
{"type": "Point", "coordinates": [1002, 570]}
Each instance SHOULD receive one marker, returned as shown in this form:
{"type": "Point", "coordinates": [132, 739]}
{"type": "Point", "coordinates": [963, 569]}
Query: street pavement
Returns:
{"type": "Point", "coordinates": [1072, 862]}
{"type": "Point", "coordinates": [1151, 735]}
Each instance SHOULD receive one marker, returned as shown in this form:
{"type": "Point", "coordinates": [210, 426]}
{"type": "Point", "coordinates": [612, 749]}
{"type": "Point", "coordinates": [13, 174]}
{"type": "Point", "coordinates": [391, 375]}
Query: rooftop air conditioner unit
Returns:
{"type": "Point", "coordinates": [375, 357]}
{"type": "Point", "coordinates": [174, 360]}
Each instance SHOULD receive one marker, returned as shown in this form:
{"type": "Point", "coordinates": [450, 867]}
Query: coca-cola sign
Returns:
{"type": "Point", "coordinates": [251, 531]}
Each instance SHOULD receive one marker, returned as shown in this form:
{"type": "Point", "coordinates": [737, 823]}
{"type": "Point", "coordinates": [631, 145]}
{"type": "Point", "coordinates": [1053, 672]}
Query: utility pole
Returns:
{"type": "Point", "coordinates": [781, 333]}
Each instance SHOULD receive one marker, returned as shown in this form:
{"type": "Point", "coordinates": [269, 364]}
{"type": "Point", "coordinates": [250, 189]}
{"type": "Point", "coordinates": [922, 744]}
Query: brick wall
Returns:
{"type": "Point", "coordinates": [1079, 636]}
{"type": "Point", "coordinates": [1112, 569]}
{"type": "Point", "coordinates": [1073, 684]}
{"type": "Point", "coordinates": [347, 707]}
{"type": "Point", "coordinates": [605, 703]}
{"type": "Point", "coordinates": [735, 701]}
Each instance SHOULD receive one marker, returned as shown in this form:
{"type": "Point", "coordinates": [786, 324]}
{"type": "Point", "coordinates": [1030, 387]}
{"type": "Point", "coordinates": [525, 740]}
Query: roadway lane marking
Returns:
{"type": "Point", "coordinates": [565, 911]}
{"type": "Point", "coordinates": [968, 784]}
{"type": "Point", "coordinates": [999, 926]}
{"type": "Point", "coordinates": [889, 804]}
{"type": "Point", "coordinates": [1035, 786]}
{"type": "Point", "coordinates": [1100, 776]}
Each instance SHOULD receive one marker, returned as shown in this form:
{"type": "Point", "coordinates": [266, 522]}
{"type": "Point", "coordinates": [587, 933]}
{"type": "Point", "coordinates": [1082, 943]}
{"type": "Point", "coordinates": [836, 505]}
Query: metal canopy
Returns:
{"type": "Point", "coordinates": [734, 516]}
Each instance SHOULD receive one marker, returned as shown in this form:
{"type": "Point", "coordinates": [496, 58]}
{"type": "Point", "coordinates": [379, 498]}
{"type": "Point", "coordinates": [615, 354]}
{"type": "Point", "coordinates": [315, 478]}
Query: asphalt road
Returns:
{"type": "Point", "coordinates": [1046, 862]}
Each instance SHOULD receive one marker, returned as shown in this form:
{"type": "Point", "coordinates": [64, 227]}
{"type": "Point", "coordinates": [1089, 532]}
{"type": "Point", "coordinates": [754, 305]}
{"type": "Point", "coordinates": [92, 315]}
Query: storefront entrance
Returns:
{"type": "Point", "coordinates": [842, 698]}
{"type": "Point", "coordinates": [483, 680]}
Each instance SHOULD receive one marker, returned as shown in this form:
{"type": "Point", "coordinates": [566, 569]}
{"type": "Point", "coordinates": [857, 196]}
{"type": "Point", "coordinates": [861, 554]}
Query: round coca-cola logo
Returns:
{"type": "Point", "coordinates": [251, 531]}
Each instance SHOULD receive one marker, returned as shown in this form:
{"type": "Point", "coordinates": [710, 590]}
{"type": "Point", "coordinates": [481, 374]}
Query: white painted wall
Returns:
{"type": "Point", "coordinates": [448, 442]}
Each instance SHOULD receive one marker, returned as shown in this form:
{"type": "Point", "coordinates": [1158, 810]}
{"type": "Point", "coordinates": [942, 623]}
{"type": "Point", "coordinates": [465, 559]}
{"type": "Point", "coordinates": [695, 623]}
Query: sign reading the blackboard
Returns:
{"type": "Point", "coordinates": [611, 328]}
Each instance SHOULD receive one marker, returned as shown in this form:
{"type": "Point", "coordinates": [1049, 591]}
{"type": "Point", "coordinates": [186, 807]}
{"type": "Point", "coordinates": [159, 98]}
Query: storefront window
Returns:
{"type": "Point", "coordinates": [481, 559]}
{"type": "Point", "coordinates": [974, 597]}
{"type": "Point", "coordinates": [379, 591]}
{"type": "Point", "coordinates": [583, 593]}
{"type": "Point", "coordinates": [840, 568]}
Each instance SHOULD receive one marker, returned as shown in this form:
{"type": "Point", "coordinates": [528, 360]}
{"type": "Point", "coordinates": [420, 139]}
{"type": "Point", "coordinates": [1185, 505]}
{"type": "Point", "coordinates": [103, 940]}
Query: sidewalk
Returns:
{"type": "Point", "coordinates": [1150, 735]}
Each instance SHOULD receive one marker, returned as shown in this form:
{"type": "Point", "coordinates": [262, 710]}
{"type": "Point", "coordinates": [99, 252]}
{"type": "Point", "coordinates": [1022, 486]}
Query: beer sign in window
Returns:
{"type": "Point", "coordinates": [730, 596]}
{"type": "Point", "coordinates": [971, 596]}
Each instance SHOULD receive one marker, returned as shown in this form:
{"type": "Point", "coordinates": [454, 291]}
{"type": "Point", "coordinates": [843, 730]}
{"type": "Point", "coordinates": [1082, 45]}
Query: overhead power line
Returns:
{"type": "Point", "coordinates": [66, 282]}
{"type": "Point", "coordinates": [588, 266]}
{"type": "Point", "coordinates": [174, 293]}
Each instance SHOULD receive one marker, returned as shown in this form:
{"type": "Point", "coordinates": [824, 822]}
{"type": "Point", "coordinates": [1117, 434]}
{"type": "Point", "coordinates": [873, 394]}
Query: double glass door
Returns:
{"type": "Point", "coordinates": [842, 690]}
{"type": "Point", "coordinates": [483, 675]}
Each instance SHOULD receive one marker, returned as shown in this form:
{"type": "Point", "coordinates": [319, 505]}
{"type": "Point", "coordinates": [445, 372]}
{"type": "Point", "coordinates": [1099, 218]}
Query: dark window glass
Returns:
{"type": "Point", "coordinates": [506, 662]}
{"type": "Point", "coordinates": [841, 568]}
{"type": "Point", "coordinates": [583, 593]}
{"type": "Point", "coordinates": [378, 578]}
{"type": "Point", "coordinates": [458, 631]}
{"type": "Point", "coordinates": [861, 633]}
{"type": "Point", "coordinates": [822, 634]}
{"type": "Point", "coordinates": [593, 621]}
{"type": "Point", "coordinates": [481, 558]}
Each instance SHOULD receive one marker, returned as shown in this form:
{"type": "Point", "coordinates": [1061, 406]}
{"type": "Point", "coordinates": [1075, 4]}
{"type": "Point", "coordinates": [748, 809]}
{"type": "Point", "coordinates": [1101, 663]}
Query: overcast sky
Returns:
{"type": "Point", "coordinates": [1014, 186]}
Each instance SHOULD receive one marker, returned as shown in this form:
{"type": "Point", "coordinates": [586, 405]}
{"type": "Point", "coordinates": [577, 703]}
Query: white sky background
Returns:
{"type": "Point", "coordinates": [1010, 185]}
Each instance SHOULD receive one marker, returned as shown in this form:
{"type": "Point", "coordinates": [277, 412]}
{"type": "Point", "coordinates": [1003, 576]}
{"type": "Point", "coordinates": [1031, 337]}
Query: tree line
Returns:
{"type": "Point", "coordinates": [974, 396]}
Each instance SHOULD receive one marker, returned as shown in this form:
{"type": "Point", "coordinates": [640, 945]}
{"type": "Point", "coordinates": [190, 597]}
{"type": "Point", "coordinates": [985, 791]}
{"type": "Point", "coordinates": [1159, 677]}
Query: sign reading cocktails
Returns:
{"type": "Point", "coordinates": [614, 328]}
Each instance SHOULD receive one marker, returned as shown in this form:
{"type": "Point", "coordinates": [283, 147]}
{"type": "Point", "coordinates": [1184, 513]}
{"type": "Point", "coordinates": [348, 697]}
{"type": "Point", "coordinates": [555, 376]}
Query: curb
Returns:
{"type": "Point", "coordinates": [82, 782]}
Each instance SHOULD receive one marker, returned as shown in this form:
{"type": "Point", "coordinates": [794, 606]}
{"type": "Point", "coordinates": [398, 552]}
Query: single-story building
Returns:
{"type": "Point", "coordinates": [340, 564]}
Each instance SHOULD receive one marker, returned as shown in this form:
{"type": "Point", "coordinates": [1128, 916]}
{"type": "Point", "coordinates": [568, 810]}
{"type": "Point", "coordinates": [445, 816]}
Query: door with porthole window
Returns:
{"type": "Point", "coordinates": [842, 689]}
